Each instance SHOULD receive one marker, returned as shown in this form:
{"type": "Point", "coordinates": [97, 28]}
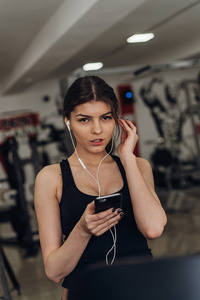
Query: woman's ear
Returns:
{"type": "Point", "coordinates": [67, 123]}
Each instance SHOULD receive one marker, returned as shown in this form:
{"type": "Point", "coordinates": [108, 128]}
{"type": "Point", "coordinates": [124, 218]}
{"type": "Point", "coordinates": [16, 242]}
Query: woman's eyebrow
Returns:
{"type": "Point", "coordinates": [87, 116]}
{"type": "Point", "coordinates": [82, 115]}
{"type": "Point", "coordinates": [108, 113]}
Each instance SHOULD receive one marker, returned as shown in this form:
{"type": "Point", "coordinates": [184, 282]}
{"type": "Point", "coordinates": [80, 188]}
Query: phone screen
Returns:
{"type": "Point", "coordinates": [105, 202]}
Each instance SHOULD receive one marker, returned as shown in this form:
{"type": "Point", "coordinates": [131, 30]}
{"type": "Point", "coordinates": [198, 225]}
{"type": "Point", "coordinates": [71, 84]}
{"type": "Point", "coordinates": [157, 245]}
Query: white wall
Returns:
{"type": "Point", "coordinates": [32, 98]}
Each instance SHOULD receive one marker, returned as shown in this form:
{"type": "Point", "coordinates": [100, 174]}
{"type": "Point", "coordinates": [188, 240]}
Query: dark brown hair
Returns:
{"type": "Point", "coordinates": [90, 88]}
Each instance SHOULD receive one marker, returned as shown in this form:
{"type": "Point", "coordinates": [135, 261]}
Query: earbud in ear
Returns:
{"type": "Point", "coordinates": [68, 123]}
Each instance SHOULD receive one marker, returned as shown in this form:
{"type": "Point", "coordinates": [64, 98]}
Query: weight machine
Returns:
{"type": "Point", "coordinates": [13, 166]}
{"type": "Point", "coordinates": [170, 116]}
{"type": "Point", "coordinates": [16, 214]}
{"type": "Point", "coordinates": [5, 266]}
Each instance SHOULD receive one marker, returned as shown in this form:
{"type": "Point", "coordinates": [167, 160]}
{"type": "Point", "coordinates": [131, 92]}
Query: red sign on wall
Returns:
{"type": "Point", "coordinates": [126, 99]}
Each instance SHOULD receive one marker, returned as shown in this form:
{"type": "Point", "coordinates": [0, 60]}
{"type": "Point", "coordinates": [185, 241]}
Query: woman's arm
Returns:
{"type": "Point", "coordinates": [61, 258]}
{"type": "Point", "coordinates": [149, 214]}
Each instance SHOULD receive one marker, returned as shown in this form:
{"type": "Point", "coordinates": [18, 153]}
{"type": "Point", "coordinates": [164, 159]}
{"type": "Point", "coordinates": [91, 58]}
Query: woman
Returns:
{"type": "Point", "coordinates": [64, 193]}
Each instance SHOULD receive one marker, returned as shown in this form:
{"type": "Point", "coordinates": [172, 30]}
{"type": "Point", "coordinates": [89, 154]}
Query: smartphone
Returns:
{"type": "Point", "coordinates": [105, 202]}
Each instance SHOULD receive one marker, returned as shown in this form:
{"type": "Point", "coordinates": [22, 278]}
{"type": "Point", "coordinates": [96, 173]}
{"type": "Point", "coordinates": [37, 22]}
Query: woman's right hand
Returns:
{"type": "Point", "coordinates": [97, 224]}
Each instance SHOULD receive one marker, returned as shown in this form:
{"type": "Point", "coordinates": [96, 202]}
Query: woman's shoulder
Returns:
{"type": "Point", "coordinates": [49, 173]}
{"type": "Point", "coordinates": [144, 166]}
{"type": "Point", "coordinates": [142, 162]}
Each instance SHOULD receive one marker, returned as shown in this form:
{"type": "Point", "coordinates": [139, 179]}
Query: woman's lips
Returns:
{"type": "Point", "coordinates": [97, 142]}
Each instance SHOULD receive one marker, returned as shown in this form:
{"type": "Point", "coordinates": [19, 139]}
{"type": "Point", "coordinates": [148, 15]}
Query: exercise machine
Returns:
{"type": "Point", "coordinates": [13, 166]}
{"type": "Point", "coordinates": [6, 268]}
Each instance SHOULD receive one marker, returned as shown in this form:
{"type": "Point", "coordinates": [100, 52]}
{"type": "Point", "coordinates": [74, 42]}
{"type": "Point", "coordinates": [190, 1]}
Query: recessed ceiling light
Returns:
{"type": "Point", "coordinates": [140, 38]}
{"type": "Point", "coordinates": [92, 66]}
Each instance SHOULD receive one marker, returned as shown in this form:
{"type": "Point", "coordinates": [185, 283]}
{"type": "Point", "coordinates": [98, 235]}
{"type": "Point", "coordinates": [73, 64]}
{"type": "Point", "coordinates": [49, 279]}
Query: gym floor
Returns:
{"type": "Point", "coordinates": [180, 238]}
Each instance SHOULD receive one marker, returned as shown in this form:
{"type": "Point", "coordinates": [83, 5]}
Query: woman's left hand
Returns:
{"type": "Point", "coordinates": [129, 138]}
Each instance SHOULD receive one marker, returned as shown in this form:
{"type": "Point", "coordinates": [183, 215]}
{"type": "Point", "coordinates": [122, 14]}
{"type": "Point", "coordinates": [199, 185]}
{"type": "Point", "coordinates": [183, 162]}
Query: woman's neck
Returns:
{"type": "Point", "coordinates": [90, 159]}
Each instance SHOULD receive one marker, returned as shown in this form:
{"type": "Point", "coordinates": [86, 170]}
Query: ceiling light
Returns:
{"type": "Point", "coordinates": [92, 66]}
{"type": "Point", "coordinates": [140, 38]}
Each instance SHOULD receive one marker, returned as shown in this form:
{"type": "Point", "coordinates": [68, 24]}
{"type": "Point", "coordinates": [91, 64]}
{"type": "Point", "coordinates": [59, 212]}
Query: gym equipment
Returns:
{"type": "Point", "coordinates": [192, 110]}
{"type": "Point", "coordinates": [19, 216]}
{"type": "Point", "coordinates": [60, 137]}
{"type": "Point", "coordinates": [3, 282]}
{"type": "Point", "coordinates": [5, 266]}
{"type": "Point", "coordinates": [14, 127]}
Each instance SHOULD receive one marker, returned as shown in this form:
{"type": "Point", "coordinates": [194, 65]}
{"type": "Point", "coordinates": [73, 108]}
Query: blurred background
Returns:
{"type": "Point", "coordinates": [44, 46]}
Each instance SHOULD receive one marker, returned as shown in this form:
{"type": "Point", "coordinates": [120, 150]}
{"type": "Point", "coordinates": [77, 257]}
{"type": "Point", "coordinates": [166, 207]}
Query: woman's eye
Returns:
{"type": "Point", "coordinates": [83, 120]}
{"type": "Point", "coordinates": [107, 118]}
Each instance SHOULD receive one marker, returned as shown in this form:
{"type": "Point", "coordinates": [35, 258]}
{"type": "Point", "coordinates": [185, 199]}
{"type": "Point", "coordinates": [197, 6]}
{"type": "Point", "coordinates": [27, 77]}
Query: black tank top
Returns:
{"type": "Point", "coordinates": [130, 241]}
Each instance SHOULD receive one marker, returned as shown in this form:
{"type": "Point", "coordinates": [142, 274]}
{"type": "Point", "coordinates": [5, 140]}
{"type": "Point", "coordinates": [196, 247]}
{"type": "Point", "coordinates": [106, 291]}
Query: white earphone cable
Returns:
{"type": "Point", "coordinates": [114, 235]}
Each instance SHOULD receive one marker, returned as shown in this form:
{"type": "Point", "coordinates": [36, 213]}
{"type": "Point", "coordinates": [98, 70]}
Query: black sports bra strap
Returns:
{"type": "Point", "coordinates": [120, 166]}
{"type": "Point", "coordinates": [66, 173]}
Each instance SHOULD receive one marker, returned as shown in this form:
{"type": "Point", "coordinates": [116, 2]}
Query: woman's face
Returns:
{"type": "Point", "coordinates": [93, 125]}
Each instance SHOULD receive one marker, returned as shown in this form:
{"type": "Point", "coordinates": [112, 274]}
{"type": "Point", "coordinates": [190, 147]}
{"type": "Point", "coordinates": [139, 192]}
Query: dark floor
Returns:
{"type": "Point", "coordinates": [181, 237]}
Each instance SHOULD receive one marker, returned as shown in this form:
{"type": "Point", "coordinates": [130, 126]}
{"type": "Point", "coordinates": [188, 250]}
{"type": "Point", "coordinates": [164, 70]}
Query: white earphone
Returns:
{"type": "Point", "coordinates": [68, 123]}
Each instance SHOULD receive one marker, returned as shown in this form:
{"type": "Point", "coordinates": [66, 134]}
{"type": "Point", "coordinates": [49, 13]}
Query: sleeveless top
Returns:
{"type": "Point", "coordinates": [130, 241]}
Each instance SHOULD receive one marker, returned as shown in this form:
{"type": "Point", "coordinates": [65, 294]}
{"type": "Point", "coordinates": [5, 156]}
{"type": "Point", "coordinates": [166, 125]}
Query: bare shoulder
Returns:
{"type": "Point", "coordinates": [143, 163]}
{"type": "Point", "coordinates": [146, 170]}
{"type": "Point", "coordinates": [50, 172]}
{"type": "Point", "coordinates": [46, 203]}
{"type": "Point", "coordinates": [49, 181]}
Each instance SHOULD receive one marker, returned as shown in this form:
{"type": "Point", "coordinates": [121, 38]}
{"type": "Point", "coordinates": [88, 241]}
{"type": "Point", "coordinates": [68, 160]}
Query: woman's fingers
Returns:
{"type": "Point", "coordinates": [106, 225]}
{"type": "Point", "coordinates": [101, 222]}
{"type": "Point", "coordinates": [102, 229]}
{"type": "Point", "coordinates": [129, 139]}
{"type": "Point", "coordinates": [102, 217]}
{"type": "Point", "coordinates": [129, 135]}
{"type": "Point", "coordinates": [121, 123]}
{"type": "Point", "coordinates": [132, 126]}
{"type": "Point", "coordinates": [127, 125]}
{"type": "Point", "coordinates": [91, 208]}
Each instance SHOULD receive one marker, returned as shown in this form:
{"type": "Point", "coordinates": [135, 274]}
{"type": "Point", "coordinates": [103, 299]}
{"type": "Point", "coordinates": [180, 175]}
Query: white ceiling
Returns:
{"type": "Point", "coordinates": [42, 39]}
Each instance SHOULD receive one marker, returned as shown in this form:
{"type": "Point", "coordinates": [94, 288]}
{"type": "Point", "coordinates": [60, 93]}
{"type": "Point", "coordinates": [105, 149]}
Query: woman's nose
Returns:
{"type": "Point", "coordinates": [96, 127]}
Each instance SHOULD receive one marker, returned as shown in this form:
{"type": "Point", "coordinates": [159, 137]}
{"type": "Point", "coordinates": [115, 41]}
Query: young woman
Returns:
{"type": "Point", "coordinates": [65, 192]}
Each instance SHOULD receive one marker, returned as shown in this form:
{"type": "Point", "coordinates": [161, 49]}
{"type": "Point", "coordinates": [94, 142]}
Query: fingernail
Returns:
{"type": "Point", "coordinates": [122, 214]}
{"type": "Point", "coordinates": [119, 220]}
{"type": "Point", "coordinates": [119, 210]}
{"type": "Point", "coordinates": [114, 209]}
